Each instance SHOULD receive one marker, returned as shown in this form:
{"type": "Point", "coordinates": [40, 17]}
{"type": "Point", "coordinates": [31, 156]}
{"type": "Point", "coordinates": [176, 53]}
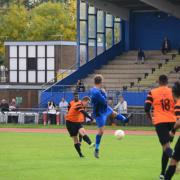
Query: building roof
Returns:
{"type": "Point", "coordinates": [39, 43]}
{"type": "Point", "coordinates": [121, 8]}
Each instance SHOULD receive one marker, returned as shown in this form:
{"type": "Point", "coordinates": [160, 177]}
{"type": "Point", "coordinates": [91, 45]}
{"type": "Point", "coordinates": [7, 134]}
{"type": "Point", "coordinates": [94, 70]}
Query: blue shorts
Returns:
{"type": "Point", "coordinates": [101, 120]}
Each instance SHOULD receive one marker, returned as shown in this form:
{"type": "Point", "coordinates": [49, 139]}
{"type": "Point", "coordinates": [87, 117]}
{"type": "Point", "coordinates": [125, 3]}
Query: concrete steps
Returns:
{"type": "Point", "coordinates": [124, 71]}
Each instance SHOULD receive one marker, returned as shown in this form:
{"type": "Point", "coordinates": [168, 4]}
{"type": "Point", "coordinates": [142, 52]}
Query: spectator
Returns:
{"type": "Point", "coordinates": [63, 105]}
{"type": "Point", "coordinates": [80, 86]}
{"type": "Point", "coordinates": [13, 105]}
{"type": "Point", "coordinates": [110, 120]}
{"type": "Point", "coordinates": [177, 69]}
{"type": "Point", "coordinates": [141, 56]}
{"type": "Point", "coordinates": [51, 113]}
{"type": "Point", "coordinates": [166, 46]}
{"type": "Point", "coordinates": [4, 106]}
{"type": "Point", "coordinates": [121, 107]}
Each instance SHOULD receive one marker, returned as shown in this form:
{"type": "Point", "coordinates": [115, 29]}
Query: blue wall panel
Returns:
{"type": "Point", "coordinates": [149, 29]}
{"type": "Point", "coordinates": [132, 98]}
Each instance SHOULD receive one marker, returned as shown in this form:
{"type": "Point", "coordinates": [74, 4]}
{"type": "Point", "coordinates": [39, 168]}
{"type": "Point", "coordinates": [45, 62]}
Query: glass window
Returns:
{"type": "Point", "coordinates": [91, 49]}
{"type": "Point", "coordinates": [50, 76]}
{"type": "Point", "coordinates": [91, 26]}
{"type": "Point", "coordinates": [100, 41]}
{"type": "Point", "coordinates": [41, 64]}
{"type": "Point", "coordinates": [83, 31]}
{"type": "Point", "coordinates": [31, 51]}
{"type": "Point", "coordinates": [22, 63]}
{"type": "Point", "coordinates": [117, 19]}
{"type": "Point", "coordinates": [91, 10]}
{"type": "Point", "coordinates": [31, 76]}
{"type": "Point", "coordinates": [31, 64]}
{"type": "Point", "coordinates": [50, 51]}
{"type": "Point", "coordinates": [109, 21]}
{"type": "Point", "coordinates": [22, 76]}
{"type": "Point", "coordinates": [13, 64]}
{"type": "Point", "coordinates": [117, 33]}
{"type": "Point", "coordinates": [41, 51]}
{"type": "Point", "coordinates": [13, 51]}
{"type": "Point", "coordinates": [82, 54]}
{"type": "Point", "coordinates": [41, 76]}
{"type": "Point", "coordinates": [22, 51]}
{"type": "Point", "coordinates": [82, 10]}
{"type": "Point", "coordinates": [50, 63]}
{"type": "Point", "coordinates": [100, 21]}
{"type": "Point", "coordinates": [13, 76]}
{"type": "Point", "coordinates": [108, 38]}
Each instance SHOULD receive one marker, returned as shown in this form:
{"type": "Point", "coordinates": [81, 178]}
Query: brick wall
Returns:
{"type": "Point", "coordinates": [29, 97]}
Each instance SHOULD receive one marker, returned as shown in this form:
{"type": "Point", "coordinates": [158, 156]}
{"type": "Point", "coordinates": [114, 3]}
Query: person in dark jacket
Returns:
{"type": "Point", "coordinates": [166, 46]}
{"type": "Point", "coordinates": [141, 56]}
{"type": "Point", "coordinates": [4, 106]}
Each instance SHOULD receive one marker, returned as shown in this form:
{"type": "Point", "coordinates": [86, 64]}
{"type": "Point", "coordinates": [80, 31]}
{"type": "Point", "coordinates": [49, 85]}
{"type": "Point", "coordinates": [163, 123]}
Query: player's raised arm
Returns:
{"type": "Point", "coordinates": [148, 105]}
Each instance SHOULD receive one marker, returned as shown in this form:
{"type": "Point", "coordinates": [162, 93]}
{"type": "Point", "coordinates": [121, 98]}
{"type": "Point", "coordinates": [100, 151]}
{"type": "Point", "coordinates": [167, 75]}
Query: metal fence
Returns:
{"type": "Point", "coordinates": [41, 116]}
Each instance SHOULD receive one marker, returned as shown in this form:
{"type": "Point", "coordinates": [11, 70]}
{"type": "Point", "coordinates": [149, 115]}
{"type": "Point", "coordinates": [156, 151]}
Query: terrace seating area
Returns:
{"type": "Point", "coordinates": [124, 73]}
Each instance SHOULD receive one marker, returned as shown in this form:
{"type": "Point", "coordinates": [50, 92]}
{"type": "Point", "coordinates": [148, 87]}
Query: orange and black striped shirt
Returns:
{"type": "Point", "coordinates": [74, 114]}
{"type": "Point", "coordinates": [161, 99]}
{"type": "Point", "coordinates": [177, 109]}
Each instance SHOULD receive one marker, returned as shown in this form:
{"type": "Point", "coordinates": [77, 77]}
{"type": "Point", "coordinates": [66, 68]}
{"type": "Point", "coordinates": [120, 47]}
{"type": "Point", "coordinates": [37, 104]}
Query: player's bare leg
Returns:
{"type": "Point", "coordinates": [85, 137]}
{"type": "Point", "coordinates": [77, 145]}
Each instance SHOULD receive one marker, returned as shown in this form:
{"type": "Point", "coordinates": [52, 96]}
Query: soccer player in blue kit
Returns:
{"type": "Point", "coordinates": [101, 110]}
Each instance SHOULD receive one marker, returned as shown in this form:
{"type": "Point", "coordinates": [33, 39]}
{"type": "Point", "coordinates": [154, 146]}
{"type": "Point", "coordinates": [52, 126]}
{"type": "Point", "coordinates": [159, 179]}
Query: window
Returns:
{"type": "Point", "coordinates": [22, 51]}
{"type": "Point", "coordinates": [13, 51]}
{"type": "Point", "coordinates": [31, 64]}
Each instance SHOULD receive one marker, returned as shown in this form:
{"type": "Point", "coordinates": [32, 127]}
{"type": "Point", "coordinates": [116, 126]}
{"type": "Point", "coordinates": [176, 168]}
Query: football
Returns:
{"type": "Point", "coordinates": [119, 134]}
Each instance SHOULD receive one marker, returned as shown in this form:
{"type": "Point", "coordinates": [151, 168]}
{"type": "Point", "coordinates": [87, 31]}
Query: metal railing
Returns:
{"type": "Point", "coordinates": [28, 116]}
{"type": "Point", "coordinates": [60, 76]}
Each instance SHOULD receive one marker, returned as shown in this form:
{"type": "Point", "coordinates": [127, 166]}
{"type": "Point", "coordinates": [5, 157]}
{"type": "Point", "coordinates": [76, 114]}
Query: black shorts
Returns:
{"type": "Point", "coordinates": [73, 127]}
{"type": "Point", "coordinates": [176, 154]}
{"type": "Point", "coordinates": [163, 130]}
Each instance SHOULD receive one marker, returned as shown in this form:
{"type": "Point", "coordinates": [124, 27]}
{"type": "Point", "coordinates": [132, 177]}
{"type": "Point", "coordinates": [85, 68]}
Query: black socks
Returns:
{"type": "Point", "coordinates": [87, 139]}
{"type": "Point", "coordinates": [78, 149]}
{"type": "Point", "coordinates": [170, 172]}
{"type": "Point", "coordinates": [164, 162]}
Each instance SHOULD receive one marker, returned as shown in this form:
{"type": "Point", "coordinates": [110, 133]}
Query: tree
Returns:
{"type": "Point", "coordinates": [47, 21]}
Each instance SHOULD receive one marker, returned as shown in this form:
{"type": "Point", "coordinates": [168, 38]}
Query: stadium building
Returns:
{"type": "Point", "coordinates": [109, 34]}
{"type": "Point", "coordinates": [122, 27]}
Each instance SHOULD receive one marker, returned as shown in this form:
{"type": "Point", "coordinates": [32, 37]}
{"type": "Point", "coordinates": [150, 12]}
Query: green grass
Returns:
{"type": "Point", "coordinates": [40, 126]}
{"type": "Point", "coordinates": [36, 156]}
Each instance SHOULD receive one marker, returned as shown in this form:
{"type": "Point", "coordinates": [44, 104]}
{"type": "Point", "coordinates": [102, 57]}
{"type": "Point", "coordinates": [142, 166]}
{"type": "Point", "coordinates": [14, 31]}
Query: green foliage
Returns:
{"type": "Point", "coordinates": [50, 21]}
{"type": "Point", "coordinates": [47, 21]}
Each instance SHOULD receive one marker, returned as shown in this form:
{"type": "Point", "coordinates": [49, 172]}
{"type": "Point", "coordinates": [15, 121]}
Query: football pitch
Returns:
{"type": "Point", "coordinates": [42, 156]}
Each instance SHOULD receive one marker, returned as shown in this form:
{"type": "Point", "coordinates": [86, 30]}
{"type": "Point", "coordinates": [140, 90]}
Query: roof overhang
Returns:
{"type": "Point", "coordinates": [121, 8]}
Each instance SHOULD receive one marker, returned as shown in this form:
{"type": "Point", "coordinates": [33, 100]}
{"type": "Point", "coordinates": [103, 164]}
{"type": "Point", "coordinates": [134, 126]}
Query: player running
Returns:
{"type": "Point", "coordinates": [74, 119]}
{"type": "Point", "coordinates": [161, 99]}
{"type": "Point", "coordinates": [101, 110]}
{"type": "Point", "coordinates": [176, 155]}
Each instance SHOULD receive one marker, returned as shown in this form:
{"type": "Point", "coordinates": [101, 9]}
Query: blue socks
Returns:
{"type": "Point", "coordinates": [122, 118]}
{"type": "Point", "coordinates": [98, 140]}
